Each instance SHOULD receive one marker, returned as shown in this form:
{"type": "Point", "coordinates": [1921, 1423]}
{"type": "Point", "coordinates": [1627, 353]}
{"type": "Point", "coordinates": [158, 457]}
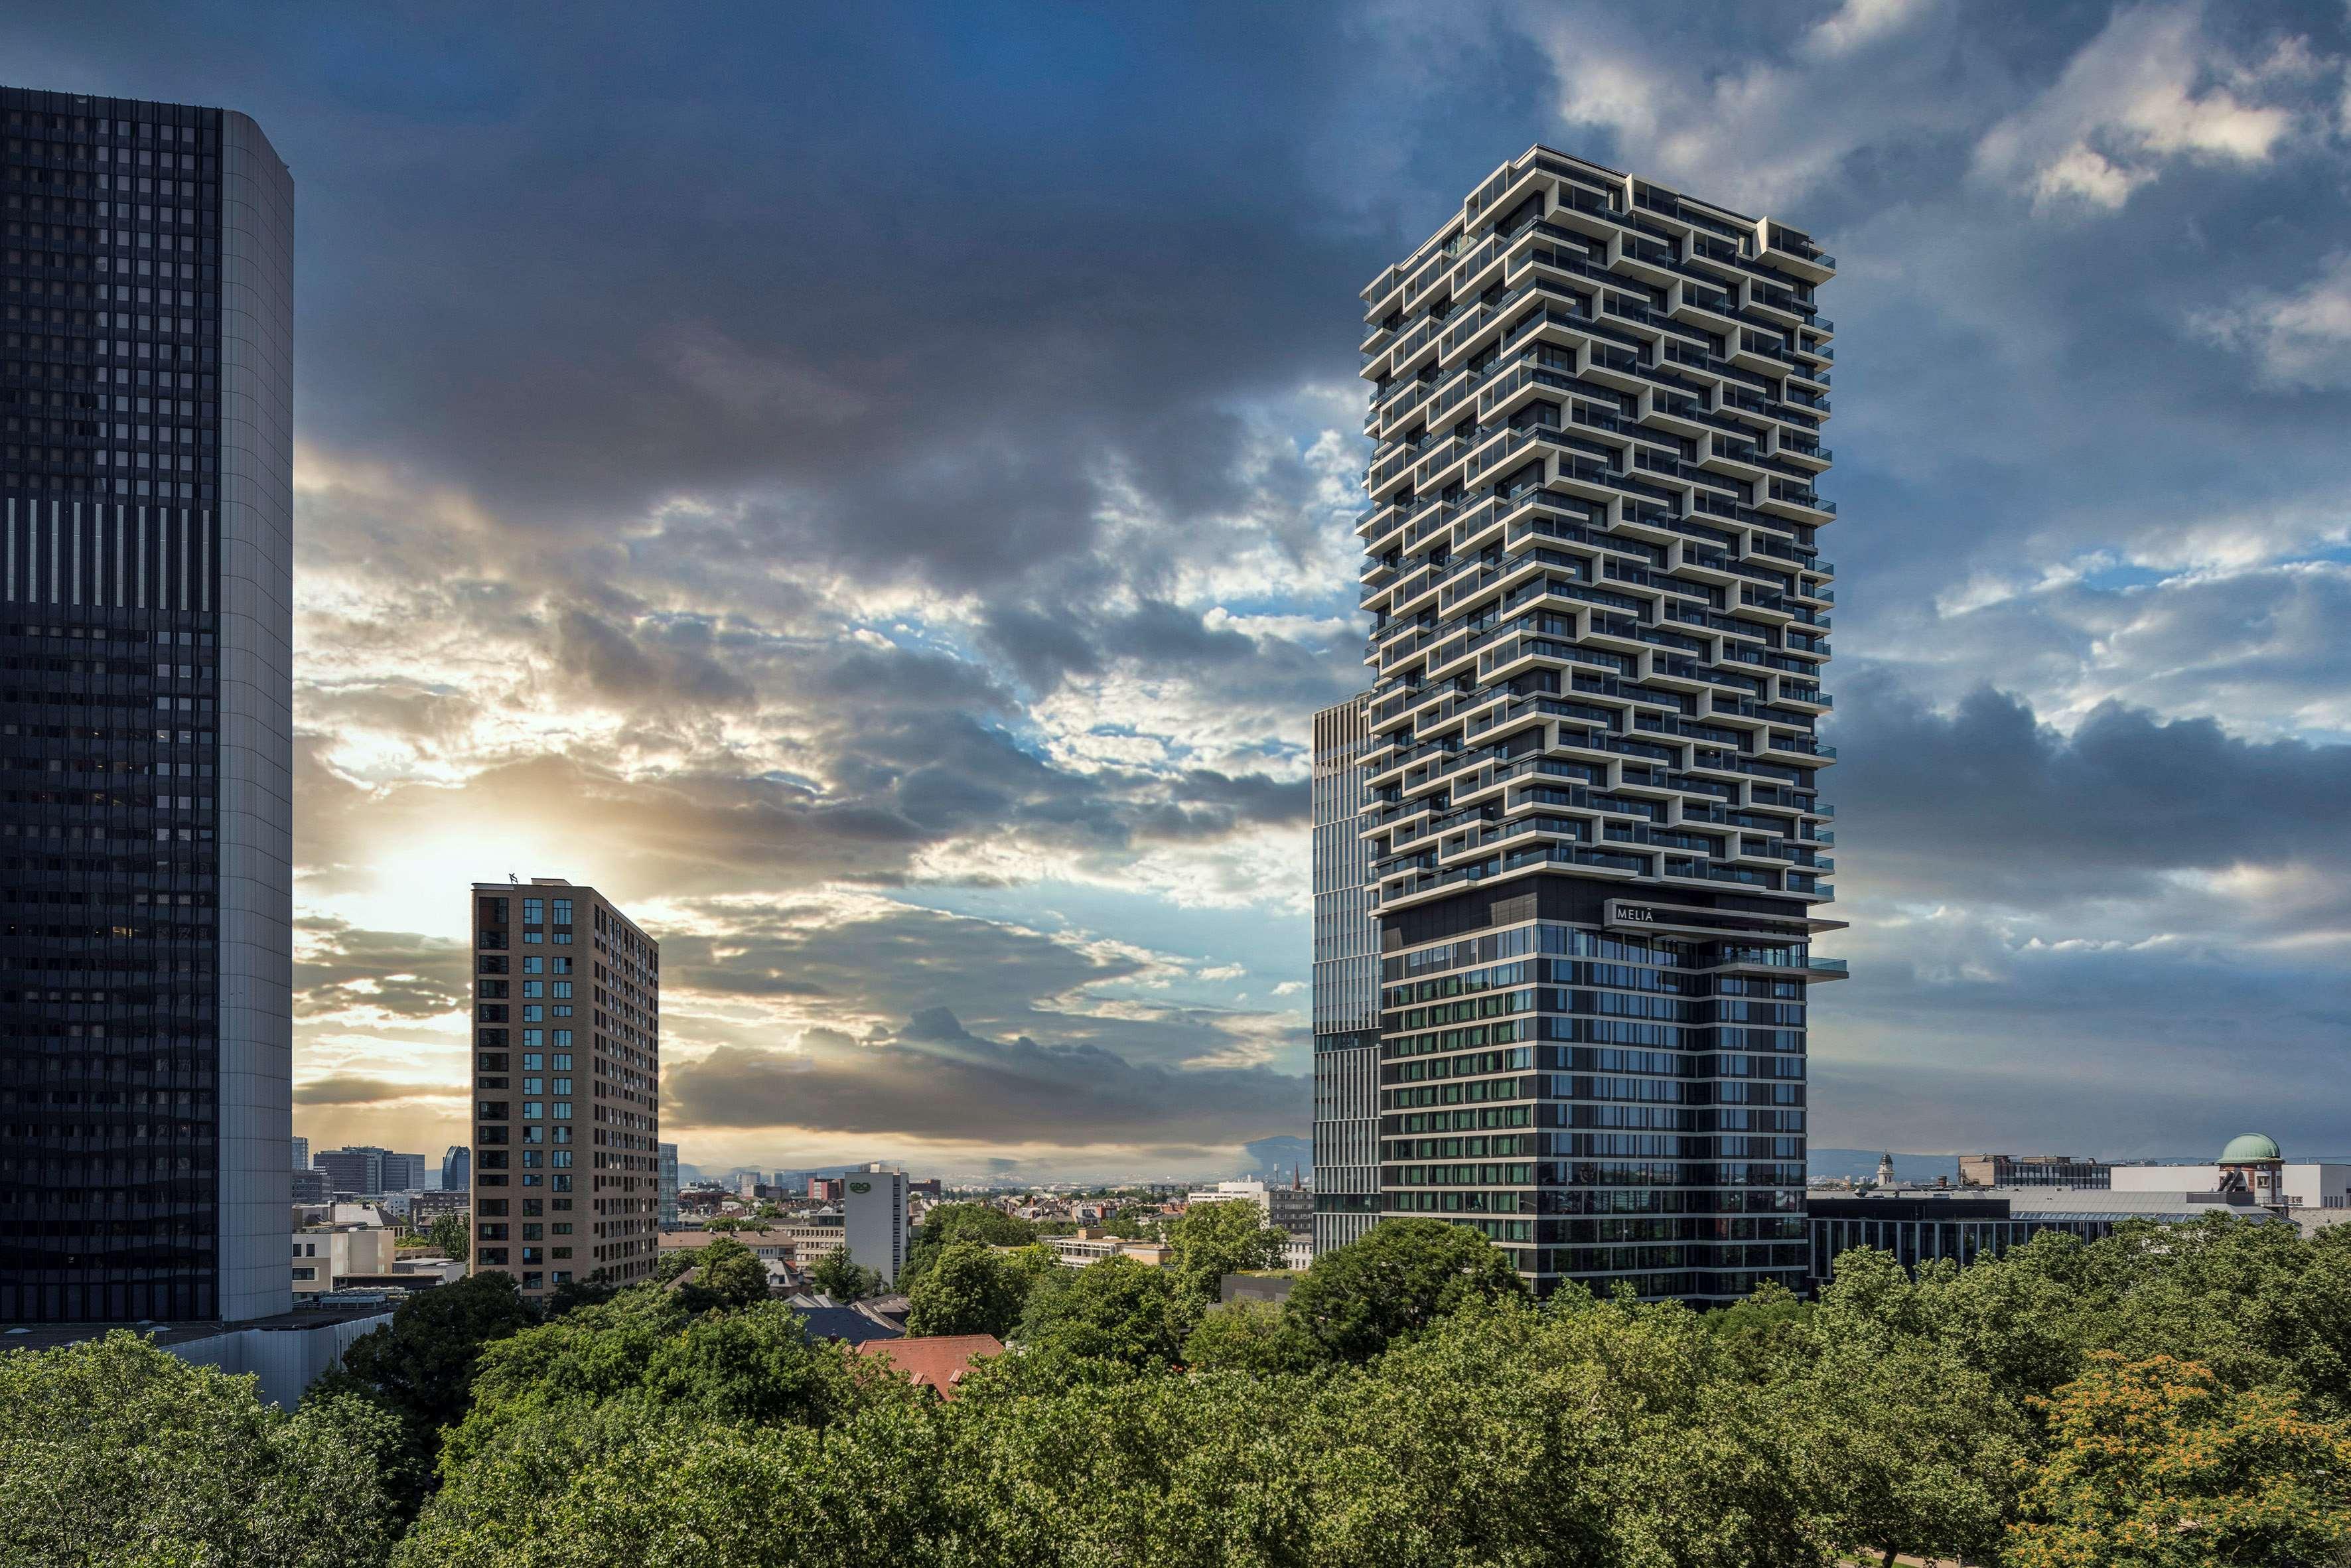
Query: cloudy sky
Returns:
{"type": "Point", "coordinates": [868, 486]}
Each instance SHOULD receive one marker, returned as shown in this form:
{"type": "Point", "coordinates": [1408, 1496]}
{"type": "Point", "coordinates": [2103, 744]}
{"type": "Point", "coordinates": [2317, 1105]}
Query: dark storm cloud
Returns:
{"type": "Point", "coordinates": [936, 1080]}
{"type": "Point", "coordinates": [1986, 803]}
{"type": "Point", "coordinates": [351, 1090]}
{"type": "Point", "coordinates": [397, 972]}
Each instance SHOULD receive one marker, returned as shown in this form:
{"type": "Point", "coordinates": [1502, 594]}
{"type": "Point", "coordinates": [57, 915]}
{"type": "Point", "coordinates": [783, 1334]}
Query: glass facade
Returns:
{"type": "Point", "coordinates": [133, 1105]}
{"type": "Point", "coordinates": [1591, 813]}
{"type": "Point", "coordinates": [1347, 987]}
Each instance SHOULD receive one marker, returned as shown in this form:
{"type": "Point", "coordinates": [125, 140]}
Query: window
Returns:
{"type": "Point", "coordinates": [562, 1037]}
{"type": "Point", "coordinates": [562, 1087]}
{"type": "Point", "coordinates": [559, 988]}
{"type": "Point", "coordinates": [532, 965]}
{"type": "Point", "coordinates": [531, 1036]}
{"type": "Point", "coordinates": [562, 964]}
{"type": "Point", "coordinates": [530, 1060]}
{"type": "Point", "coordinates": [533, 912]}
{"type": "Point", "coordinates": [562, 1061]}
{"type": "Point", "coordinates": [529, 988]}
{"type": "Point", "coordinates": [311, 1272]}
{"type": "Point", "coordinates": [563, 1110]}
{"type": "Point", "coordinates": [531, 1086]}
{"type": "Point", "coordinates": [533, 1110]}
{"type": "Point", "coordinates": [563, 911]}
{"type": "Point", "coordinates": [534, 1013]}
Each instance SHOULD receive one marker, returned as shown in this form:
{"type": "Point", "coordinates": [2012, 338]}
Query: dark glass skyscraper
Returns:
{"type": "Point", "coordinates": [146, 502]}
{"type": "Point", "coordinates": [1599, 623]}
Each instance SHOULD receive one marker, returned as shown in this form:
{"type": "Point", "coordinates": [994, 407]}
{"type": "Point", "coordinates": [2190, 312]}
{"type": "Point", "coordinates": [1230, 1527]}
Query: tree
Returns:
{"type": "Point", "coordinates": [839, 1276]}
{"type": "Point", "coordinates": [2152, 1463]}
{"type": "Point", "coordinates": [1251, 1336]}
{"type": "Point", "coordinates": [727, 1274]}
{"type": "Point", "coordinates": [944, 1224]}
{"type": "Point", "coordinates": [1113, 1310]}
{"type": "Point", "coordinates": [1401, 1277]}
{"type": "Point", "coordinates": [117, 1452]}
{"type": "Point", "coordinates": [452, 1234]}
{"type": "Point", "coordinates": [419, 1368]}
{"type": "Point", "coordinates": [969, 1290]}
{"type": "Point", "coordinates": [1210, 1241]}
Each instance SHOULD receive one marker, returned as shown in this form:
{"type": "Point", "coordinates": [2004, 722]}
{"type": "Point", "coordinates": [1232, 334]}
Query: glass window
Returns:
{"type": "Point", "coordinates": [530, 1062]}
{"type": "Point", "coordinates": [534, 1013]}
{"type": "Point", "coordinates": [533, 987]}
{"type": "Point", "coordinates": [533, 1110]}
{"type": "Point", "coordinates": [533, 912]}
{"type": "Point", "coordinates": [563, 911]}
{"type": "Point", "coordinates": [562, 1061]}
{"type": "Point", "coordinates": [562, 965]}
{"type": "Point", "coordinates": [532, 966]}
{"type": "Point", "coordinates": [562, 1087]}
{"type": "Point", "coordinates": [559, 988]}
{"type": "Point", "coordinates": [531, 1036]}
{"type": "Point", "coordinates": [563, 1110]}
{"type": "Point", "coordinates": [531, 1086]}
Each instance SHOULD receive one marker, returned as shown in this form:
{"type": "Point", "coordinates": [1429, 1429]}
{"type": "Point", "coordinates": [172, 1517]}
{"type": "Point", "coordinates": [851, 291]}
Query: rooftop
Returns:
{"type": "Point", "coordinates": [935, 1361]}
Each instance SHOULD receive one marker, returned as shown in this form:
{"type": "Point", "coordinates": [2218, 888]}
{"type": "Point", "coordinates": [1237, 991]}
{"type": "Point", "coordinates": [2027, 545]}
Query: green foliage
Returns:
{"type": "Point", "coordinates": [451, 1235]}
{"type": "Point", "coordinates": [2153, 1463]}
{"type": "Point", "coordinates": [1210, 1241]}
{"type": "Point", "coordinates": [944, 1224]}
{"type": "Point", "coordinates": [420, 1369]}
{"type": "Point", "coordinates": [839, 1276]}
{"type": "Point", "coordinates": [1401, 1277]}
{"type": "Point", "coordinates": [969, 1290]}
{"type": "Point", "coordinates": [1112, 1310]}
{"type": "Point", "coordinates": [725, 1274]}
{"type": "Point", "coordinates": [1251, 1336]}
{"type": "Point", "coordinates": [116, 1452]}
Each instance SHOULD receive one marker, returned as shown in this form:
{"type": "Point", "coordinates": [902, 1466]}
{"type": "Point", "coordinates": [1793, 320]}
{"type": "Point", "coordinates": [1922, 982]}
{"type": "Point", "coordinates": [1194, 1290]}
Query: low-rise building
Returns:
{"type": "Point", "coordinates": [334, 1242]}
{"type": "Point", "coordinates": [1090, 1246]}
{"type": "Point", "coordinates": [2030, 1170]}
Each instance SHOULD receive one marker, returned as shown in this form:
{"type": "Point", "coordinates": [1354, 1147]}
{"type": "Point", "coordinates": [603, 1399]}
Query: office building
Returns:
{"type": "Point", "coordinates": [309, 1187]}
{"type": "Point", "coordinates": [1930, 1227]}
{"type": "Point", "coordinates": [2251, 1169]}
{"type": "Point", "coordinates": [301, 1154]}
{"type": "Point", "coordinates": [566, 1086]}
{"type": "Point", "coordinates": [355, 1171]}
{"type": "Point", "coordinates": [2030, 1170]}
{"type": "Point", "coordinates": [457, 1169]}
{"type": "Point", "coordinates": [403, 1173]}
{"type": "Point", "coordinates": [1346, 1003]}
{"type": "Point", "coordinates": [668, 1213]}
{"type": "Point", "coordinates": [873, 1218]}
{"type": "Point", "coordinates": [1598, 620]}
{"type": "Point", "coordinates": [146, 500]}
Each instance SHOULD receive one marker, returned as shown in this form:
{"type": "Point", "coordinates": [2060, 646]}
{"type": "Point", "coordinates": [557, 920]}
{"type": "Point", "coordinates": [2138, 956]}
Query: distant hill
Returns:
{"type": "Point", "coordinates": [1860, 1164]}
{"type": "Point", "coordinates": [1271, 1158]}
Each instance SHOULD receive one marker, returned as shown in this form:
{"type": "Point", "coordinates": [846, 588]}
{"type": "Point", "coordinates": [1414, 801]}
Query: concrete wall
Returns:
{"type": "Point", "coordinates": [285, 1361]}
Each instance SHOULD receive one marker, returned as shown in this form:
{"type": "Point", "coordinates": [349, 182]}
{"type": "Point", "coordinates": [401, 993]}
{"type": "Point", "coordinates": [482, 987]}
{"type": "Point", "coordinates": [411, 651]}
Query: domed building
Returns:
{"type": "Point", "coordinates": [2251, 1173]}
{"type": "Point", "coordinates": [2253, 1162]}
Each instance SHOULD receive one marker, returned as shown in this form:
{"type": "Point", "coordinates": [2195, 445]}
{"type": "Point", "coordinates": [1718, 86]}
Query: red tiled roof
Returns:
{"type": "Point", "coordinates": [934, 1361]}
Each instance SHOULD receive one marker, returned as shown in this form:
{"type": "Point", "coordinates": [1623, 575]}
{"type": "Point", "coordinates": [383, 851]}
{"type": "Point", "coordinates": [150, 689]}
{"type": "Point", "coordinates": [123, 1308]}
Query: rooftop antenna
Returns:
{"type": "Point", "coordinates": [514, 879]}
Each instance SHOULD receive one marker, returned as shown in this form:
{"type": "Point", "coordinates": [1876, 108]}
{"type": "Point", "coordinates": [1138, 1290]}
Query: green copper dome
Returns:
{"type": "Point", "coordinates": [2247, 1146]}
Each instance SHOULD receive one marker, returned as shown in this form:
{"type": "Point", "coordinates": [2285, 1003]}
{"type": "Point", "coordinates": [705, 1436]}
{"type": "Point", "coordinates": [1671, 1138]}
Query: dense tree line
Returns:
{"type": "Point", "coordinates": [2166, 1396]}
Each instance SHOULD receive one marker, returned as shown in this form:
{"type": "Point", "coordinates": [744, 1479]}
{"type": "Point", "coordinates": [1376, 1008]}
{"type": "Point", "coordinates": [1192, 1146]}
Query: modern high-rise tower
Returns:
{"type": "Point", "coordinates": [1599, 618]}
{"type": "Point", "coordinates": [146, 566]}
{"type": "Point", "coordinates": [567, 1087]}
{"type": "Point", "coordinates": [1347, 987]}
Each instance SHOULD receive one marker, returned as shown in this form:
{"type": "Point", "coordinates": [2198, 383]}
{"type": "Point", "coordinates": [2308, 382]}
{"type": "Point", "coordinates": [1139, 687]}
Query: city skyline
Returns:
{"type": "Point", "coordinates": [958, 759]}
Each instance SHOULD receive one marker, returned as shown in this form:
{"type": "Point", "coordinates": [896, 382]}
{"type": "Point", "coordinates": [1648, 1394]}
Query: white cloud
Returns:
{"type": "Point", "coordinates": [2299, 340]}
{"type": "Point", "coordinates": [2150, 89]}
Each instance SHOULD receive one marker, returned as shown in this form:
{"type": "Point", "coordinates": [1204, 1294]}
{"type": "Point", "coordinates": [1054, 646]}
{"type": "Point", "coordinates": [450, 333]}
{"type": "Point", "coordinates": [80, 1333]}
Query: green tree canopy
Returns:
{"type": "Point", "coordinates": [1401, 1277]}
{"type": "Point", "coordinates": [115, 1452]}
{"type": "Point", "coordinates": [453, 1234]}
{"type": "Point", "coordinates": [419, 1368]}
{"type": "Point", "coordinates": [2152, 1463]}
{"type": "Point", "coordinates": [1113, 1310]}
{"type": "Point", "coordinates": [970, 1288]}
{"type": "Point", "coordinates": [1251, 1336]}
{"type": "Point", "coordinates": [944, 1224]}
{"type": "Point", "coordinates": [727, 1274]}
{"type": "Point", "coordinates": [839, 1275]}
